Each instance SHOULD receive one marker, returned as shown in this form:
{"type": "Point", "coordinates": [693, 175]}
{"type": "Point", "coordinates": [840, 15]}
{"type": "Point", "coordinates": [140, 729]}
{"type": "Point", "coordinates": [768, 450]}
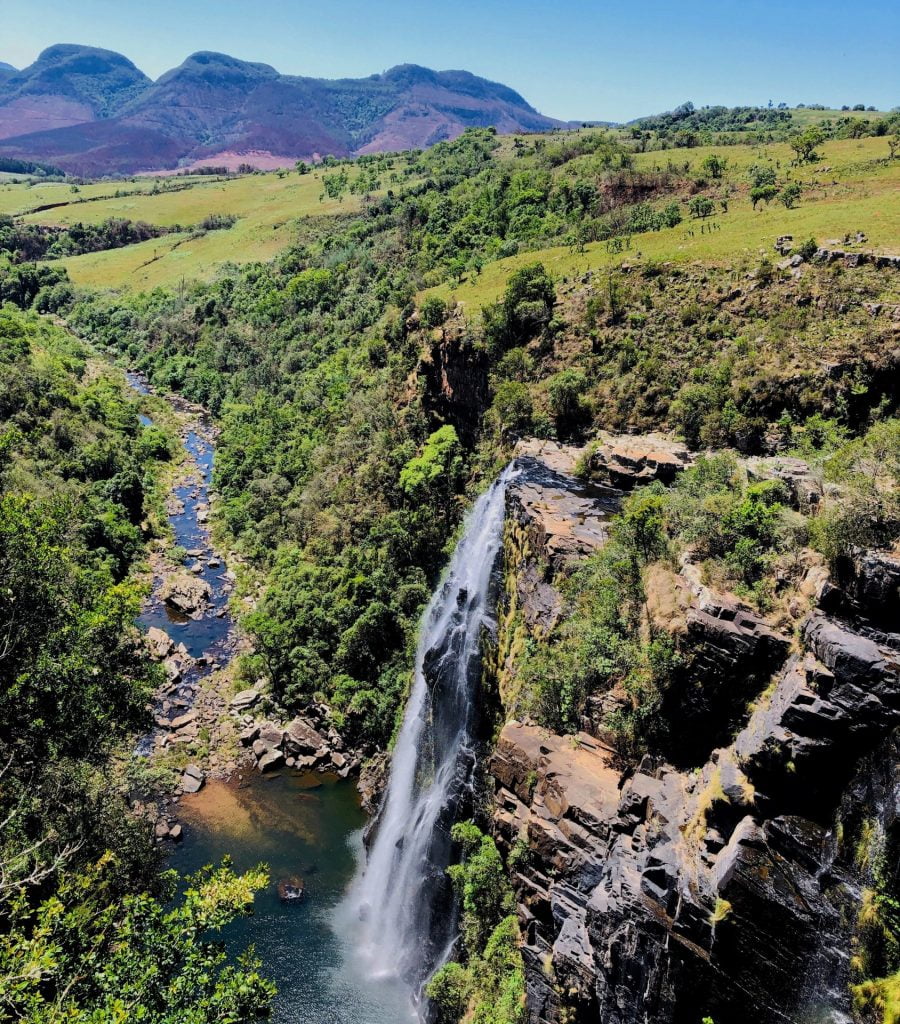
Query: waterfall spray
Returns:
{"type": "Point", "coordinates": [408, 914]}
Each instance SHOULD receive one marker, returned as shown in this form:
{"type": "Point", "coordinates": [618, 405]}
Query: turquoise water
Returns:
{"type": "Point", "coordinates": [307, 825]}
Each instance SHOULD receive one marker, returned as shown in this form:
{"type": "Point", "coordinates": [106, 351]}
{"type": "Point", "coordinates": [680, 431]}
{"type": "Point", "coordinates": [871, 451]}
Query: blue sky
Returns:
{"type": "Point", "coordinates": [600, 60]}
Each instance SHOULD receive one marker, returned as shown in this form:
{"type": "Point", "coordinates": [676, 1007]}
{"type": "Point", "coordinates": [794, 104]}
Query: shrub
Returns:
{"type": "Point", "coordinates": [433, 311]}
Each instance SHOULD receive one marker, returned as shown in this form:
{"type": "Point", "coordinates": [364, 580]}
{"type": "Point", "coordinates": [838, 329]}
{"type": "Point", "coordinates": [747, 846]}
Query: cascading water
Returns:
{"type": "Point", "coordinates": [408, 918]}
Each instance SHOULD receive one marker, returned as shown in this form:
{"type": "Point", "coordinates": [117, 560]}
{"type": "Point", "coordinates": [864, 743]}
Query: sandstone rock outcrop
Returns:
{"type": "Point", "coordinates": [627, 462]}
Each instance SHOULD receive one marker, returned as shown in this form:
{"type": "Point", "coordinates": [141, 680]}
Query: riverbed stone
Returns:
{"type": "Point", "coordinates": [301, 738]}
{"type": "Point", "coordinates": [184, 593]}
{"type": "Point", "coordinates": [183, 720]}
{"type": "Point", "coordinates": [270, 760]}
{"type": "Point", "coordinates": [160, 643]}
{"type": "Point", "coordinates": [245, 699]}
{"type": "Point", "coordinates": [192, 780]}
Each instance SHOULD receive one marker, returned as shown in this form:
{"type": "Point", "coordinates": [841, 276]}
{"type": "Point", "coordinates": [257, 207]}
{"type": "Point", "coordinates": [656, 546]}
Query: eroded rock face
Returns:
{"type": "Point", "coordinates": [667, 896]}
{"type": "Point", "coordinates": [552, 519]}
{"type": "Point", "coordinates": [455, 372]}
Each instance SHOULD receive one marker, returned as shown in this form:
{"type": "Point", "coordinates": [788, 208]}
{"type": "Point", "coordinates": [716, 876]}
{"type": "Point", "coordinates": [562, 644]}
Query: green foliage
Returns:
{"type": "Point", "coordinates": [69, 642]}
{"type": "Point", "coordinates": [868, 471]}
{"type": "Point", "coordinates": [86, 933]}
{"type": "Point", "coordinates": [763, 194]}
{"type": "Point", "coordinates": [714, 165]}
{"type": "Point", "coordinates": [641, 525]}
{"type": "Point", "coordinates": [761, 175]}
{"type": "Point", "coordinates": [524, 311]}
{"type": "Point", "coordinates": [513, 405]}
{"type": "Point", "coordinates": [566, 394]}
{"type": "Point", "coordinates": [804, 144]}
{"type": "Point", "coordinates": [433, 311]}
{"type": "Point", "coordinates": [597, 645]}
{"type": "Point", "coordinates": [81, 955]}
{"type": "Point", "coordinates": [434, 474]}
{"type": "Point", "coordinates": [490, 987]}
{"type": "Point", "coordinates": [789, 196]}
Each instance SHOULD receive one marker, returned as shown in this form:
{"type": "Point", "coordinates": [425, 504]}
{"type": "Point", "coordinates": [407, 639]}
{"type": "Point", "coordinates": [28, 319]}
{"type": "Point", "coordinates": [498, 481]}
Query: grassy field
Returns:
{"type": "Point", "coordinates": [18, 197]}
{"type": "Point", "coordinates": [852, 188]}
{"type": "Point", "coordinates": [267, 207]}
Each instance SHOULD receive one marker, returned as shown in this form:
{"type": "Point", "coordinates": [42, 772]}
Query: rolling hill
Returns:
{"type": "Point", "coordinates": [93, 113]}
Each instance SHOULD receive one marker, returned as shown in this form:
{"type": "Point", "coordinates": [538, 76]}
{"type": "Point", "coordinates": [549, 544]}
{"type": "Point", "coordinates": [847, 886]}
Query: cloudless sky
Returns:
{"type": "Point", "coordinates": [572, 59]}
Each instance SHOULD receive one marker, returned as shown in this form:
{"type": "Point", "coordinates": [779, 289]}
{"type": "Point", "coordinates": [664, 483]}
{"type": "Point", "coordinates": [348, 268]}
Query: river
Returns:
{"type": "Point", "coordinates": [305, 824]}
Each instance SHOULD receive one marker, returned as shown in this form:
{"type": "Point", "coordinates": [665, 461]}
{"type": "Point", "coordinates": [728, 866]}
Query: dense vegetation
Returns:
{"type": "Point", "coordinates": [340, 478]}
{"type": "Point", "coordinates": [488, 987]}
{"type": "Point", "coordinates": [688, 126]}
{"type": "Point", "coordinates": [84, 931]}
{"type": "Point", "coordinates": [30, 242]}
{"type": "Point", "coordinates": [359, 411]}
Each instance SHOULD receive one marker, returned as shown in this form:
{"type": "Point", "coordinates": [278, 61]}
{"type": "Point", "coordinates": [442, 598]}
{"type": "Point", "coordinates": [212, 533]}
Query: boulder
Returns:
{"type": "Point", "coordinates": [185, 593]}
{"type": "Point", "coordinates": [160, 643]}
{"type": "Point", "coordinates": [192, 780]}
{"type": "Point", "coordinates": [182, 720]}
{"type": "Point", "coordinates": [300, 738]}
{"type": "Point", "coordinates": [269, 760]}
{"type": "Point", "coordinates": [244, 700]}
{"type": "Point", "coordinates": [249, 734]}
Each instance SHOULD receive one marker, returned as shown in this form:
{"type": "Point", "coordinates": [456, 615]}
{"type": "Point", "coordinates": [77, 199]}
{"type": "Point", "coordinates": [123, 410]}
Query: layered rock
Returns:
{"type": "Point", "coordinates": [552, 520]}
{"type": "Point", "coordinates": [669, 896]}
{"type": "Point", "coordinates": [626, 462]}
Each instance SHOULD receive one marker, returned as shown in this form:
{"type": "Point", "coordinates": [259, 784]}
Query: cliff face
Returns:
{"type": "Point", "coordinates": [667, 895]}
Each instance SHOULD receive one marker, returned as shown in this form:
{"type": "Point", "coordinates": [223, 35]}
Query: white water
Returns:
{"type": "Point", "coordinates": [408, 922]}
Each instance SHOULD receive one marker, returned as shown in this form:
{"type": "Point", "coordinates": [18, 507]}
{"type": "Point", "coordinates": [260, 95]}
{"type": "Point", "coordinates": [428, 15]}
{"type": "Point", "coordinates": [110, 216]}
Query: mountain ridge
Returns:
{"type": "Point", "coordinates": [92, 112]}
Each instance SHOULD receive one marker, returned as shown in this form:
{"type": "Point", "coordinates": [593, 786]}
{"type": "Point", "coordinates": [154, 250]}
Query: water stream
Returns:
{"type": "Point", "coordinates": [297, 824]}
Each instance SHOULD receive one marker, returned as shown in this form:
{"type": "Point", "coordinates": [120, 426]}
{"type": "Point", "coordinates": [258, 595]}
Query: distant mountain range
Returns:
{"type": "Point", "coordinates": [92, 112]}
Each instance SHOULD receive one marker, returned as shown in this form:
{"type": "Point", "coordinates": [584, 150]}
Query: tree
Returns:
{"type": "Point", "coordinates": [433, 311]}
{"type": "Point", "coordinates": [566, 392]}
{"type": "Point", "coordinates": [71, 681]}
{"type": "Point", "coordinates": [804, 144]}
{"type": "Point", "coordinates": [714, 165]}
{"type": "Point", "coordinates": [761, 174]}
{"type": "Point", "coordinates": [790, 194]}
{"type": "Point", "coordinates": [525, 309]}
{"type": "Point", "coordinates": [701, 206]}
{"type": "Point", "coordinates": [513, 405]}
{"type": "Point", "coordinates": [763, 193]}
{"type": "Point", "coordinates": [435, 472]}
{"type": "Point", "coordinates": [84, 957]}
{"type": "Point", "coordinates": [641, 525]}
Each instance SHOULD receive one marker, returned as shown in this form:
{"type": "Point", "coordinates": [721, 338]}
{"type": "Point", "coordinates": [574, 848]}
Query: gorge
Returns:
{"type": "Point", "coordinates": [497, 549]}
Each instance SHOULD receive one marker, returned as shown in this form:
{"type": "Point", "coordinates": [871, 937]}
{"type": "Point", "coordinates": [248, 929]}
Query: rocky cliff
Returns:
{"type": "Point", "coordinates": [727, 888]}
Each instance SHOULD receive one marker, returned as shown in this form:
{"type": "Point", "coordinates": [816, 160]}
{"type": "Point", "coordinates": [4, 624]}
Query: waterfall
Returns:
{"type": "Point", "coordinates": [403, 898]}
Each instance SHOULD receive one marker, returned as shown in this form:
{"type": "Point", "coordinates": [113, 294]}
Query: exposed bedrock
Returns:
{"type": "Point", "coordinates": [667, 895]}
